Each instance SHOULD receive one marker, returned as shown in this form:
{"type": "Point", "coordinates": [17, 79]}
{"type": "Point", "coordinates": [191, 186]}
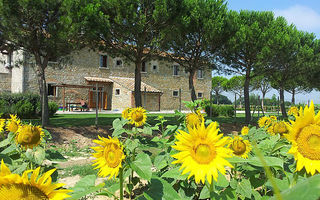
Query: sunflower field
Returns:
{"type": "Point", "coordinates": [193, 160]}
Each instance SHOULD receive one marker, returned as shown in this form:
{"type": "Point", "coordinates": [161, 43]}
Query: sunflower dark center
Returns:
{"type": "Point", "coordinates": [308, 142]}
{"type": "Point", "coordinates": [239, 147]}
{"type": "Point", "coordinates": [29, 136]}
{"type": "Point", "coordinates": [21, 192]}
{"type": "Point", "coordinates": [280, 128]}
{"type": "Point", "coordinates": [137, 116]}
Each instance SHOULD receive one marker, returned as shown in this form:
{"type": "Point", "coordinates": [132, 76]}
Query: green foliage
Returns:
{"type": "Point", "coordinates": [53, 108]}
{"type": "Point", "coordinates": [218, 86]}
{"type": "Point", "coordinates": [85, 186]}
{"type": "Point", "coordinates": [222, 99]}
{"type": "Point", "coordinates": [22, 104]}
{"type": "Point", "coordinates": [24, 109]}
{"type": "Point", "coordinates": [218, 110]}
{"type": "Point", "coordinates": [197, 32]}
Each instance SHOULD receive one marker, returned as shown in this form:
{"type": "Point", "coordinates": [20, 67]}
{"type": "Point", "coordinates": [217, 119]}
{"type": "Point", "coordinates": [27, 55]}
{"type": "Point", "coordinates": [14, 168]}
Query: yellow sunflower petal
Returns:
{"type": "Point", "coordinates": [201, 152]}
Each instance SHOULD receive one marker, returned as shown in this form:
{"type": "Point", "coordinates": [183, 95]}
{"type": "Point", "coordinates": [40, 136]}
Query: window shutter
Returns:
{"type": "Point", "coordinates": [101, 60]}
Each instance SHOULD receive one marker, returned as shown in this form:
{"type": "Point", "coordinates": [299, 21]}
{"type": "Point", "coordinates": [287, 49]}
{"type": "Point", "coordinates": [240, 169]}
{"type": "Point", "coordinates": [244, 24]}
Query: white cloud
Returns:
{"type": "Point", "coordinates": [303, 17]}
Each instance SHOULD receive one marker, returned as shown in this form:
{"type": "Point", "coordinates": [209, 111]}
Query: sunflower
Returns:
{"type": "Point", "coordinates": [304, 134]}
{"type": "Point", "coordinates": [293, 111]}
{"type": "Point", "coordinates": [29, 136]}
{"type": "Point", "coordinates": [194, 119]}
{"type": "Point", "coordinates": [245, 130]}
{"type": "Point", "coordinates": [13, 124]}
{"type": "Point", "coordinates": [273, 118]}
{"type": "Point", "coordinates": [270, 129]}
{"type": "Point", "coordinates": [137, 116]}
{"type": "Point", "coordinates": [202, 152]}
{"type": "Point", "coordinates": [16, 187]}
{"type": "Point", "coordinates": [125, 113]}
{"type": "Point", "coordinates": [240, 147]}
{"type": "Point", "coordinates": [2, 124]}
{"type": "Point", "coordinates": [109, 156]}
{"type": "Point", "coordinates": [280, 128]}
{"type": "Point", "coordinates": [264, 121]}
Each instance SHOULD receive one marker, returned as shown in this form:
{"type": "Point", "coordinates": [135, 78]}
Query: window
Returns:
{"type": "Point", "coordinates": [175, 93]}
{"type": "Point", "coordinates": [119, 63]}
{"type": "Point", "coordinates": [8, 64]}
{"type": "Point", "coordinates": [117, 92]}
{"type": "Point", "coordinates": [200, 73]}
{"type": "Point", "coordinates": [52, 90]}
{"type": "Point", "coordinates": [103, 61]}
{"type": "Point", "coordinates": [154, 67]}
{"type": "Point", "coordinates": [175, 70]}
{"type": "Point", "coordinates": [143, 67]}
{"type": "Point", "coordinates": [200, 95]}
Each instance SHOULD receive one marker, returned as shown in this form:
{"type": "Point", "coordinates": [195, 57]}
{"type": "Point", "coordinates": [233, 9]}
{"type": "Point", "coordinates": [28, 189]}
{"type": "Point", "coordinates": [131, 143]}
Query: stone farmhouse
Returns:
{"type": "Point", "coordinates": [164, 84]}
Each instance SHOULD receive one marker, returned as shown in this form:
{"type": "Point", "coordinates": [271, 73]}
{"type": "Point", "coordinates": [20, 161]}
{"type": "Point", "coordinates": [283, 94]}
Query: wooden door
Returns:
{"type": "Point", "coordinates": [92, 102]}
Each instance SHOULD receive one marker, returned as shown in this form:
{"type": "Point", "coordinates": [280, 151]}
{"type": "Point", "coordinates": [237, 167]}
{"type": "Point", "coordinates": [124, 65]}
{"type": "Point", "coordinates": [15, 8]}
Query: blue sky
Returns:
{"type": "Point", "coordinates": [305, 14]}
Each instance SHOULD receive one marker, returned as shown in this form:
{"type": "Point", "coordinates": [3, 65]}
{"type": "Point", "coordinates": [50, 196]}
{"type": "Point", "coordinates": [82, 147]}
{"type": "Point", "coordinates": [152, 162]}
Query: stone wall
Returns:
{"type": "Point", "coordinates": [5, 82]}
{"type": "Point", "coordinates": [86, 64]}
{"type": "Point", "coordinates": [123, 100]}
{"type": "Point", "coordinates": [5, 75]}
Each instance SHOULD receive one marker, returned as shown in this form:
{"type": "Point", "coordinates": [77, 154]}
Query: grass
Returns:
{"type": "Point", "coordinates": [69, 120]}
{"type": "Point", "coordinates": [81, 170]}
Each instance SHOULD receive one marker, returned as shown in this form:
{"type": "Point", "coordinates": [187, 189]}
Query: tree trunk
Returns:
{"type": "Point", "coordinates": [282, 105]}
{"type": "Point", "coordinates": [293, 97]}
{"type": "Point", "coordinates": [246, 97]}
{"type": "Point", "coordinates": [262, 101]}
{"type": "Point", "coordinates": [137, 83]}
{"type": "Point", "coordinates": [43, 95]}
{"type": "Point", "coordinates": [191, 86]}
{"type": "Point", "coordinates": [217, 97]}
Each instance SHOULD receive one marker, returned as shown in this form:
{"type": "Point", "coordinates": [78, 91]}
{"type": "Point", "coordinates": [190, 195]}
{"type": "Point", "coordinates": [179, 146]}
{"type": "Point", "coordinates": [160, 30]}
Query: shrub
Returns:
{"type": "Point", "coordinates": [53, 108]}
{"type": "Point", "coordinates": [220, 110]}
{"type": "Point", "coordinates": [24, 109]}
{"type": "Point", "coordinates": [226, 110]}
{"type": "Point", "coordinates": [215, 110]}
{"type": "Point", "coordinates": [22, 104]}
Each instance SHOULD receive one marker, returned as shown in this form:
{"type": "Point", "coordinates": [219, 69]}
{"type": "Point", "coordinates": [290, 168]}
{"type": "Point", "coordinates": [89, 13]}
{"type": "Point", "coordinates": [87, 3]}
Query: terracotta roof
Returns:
{"type": "Point", "coordinates": [129, 84]}
{"type": "Point", "coordinates": [98, 79]}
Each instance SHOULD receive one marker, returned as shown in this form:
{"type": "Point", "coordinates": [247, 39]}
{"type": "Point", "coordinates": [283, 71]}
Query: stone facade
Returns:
{"type": "Point", "coordinates": [86, 63]}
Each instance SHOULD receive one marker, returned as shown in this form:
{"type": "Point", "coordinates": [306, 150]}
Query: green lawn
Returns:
{"type": "Point", "coordinates": [68, 120]}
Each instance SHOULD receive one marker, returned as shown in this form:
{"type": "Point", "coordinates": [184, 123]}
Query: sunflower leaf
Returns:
{"type": "Point", "coordinates": [175, 173]}
{"type": "Point", "coordinates": [118, 131]}
{"type": "Point", "coordinates": [142, 166]}
{"type": "Point", "coordinates": [39, 155]}
{"type": "Point", "coordinates": [5, 142]}
{"type": "Point", "coordinates": [306, 189]}
{"type": "Point", "coordinates": [271, 162]}
{"type": "Point", "coordinates": [147, 130]}
{"type": "Point", "coordinates": [244, 188]}
{"type": "Point", "coordinates": [160, 162]}
{"type": "Point", "coordinates": [160, 189]}
{"type": "Point", "coordinates": [85, 186]}
{"type": "Point", "coordinates": [117, 124]}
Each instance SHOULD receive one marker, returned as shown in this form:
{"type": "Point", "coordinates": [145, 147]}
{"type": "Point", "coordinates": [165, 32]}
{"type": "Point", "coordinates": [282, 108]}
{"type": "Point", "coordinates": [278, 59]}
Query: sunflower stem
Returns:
{"type": "Point", "coordinates": [295, 178]}
{"type": "Point", "coordinates": [121, 183]}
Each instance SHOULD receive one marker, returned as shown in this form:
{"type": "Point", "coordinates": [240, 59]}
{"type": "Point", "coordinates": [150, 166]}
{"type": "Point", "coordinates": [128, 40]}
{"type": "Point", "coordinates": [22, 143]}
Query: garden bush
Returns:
{"type": "Point", "coordinates": [22, 104]}
{"type": "Point", "coordinates": [220, 110]}
{"type": "Point", "coordinates": [53, 108]}
{"type": "Point", "coordinates": [226, 110]}
{"type": "Point", "coordinates": [24, 109]}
